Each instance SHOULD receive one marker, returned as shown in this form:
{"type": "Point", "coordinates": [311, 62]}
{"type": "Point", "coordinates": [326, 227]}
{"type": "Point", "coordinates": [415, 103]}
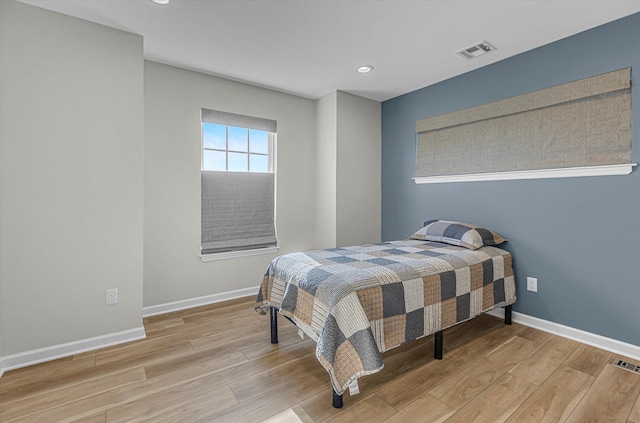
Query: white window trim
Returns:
{"type": "Point", "coordinates": [570, 172]}
{"type": "Point", "coordinates": [239, 253]}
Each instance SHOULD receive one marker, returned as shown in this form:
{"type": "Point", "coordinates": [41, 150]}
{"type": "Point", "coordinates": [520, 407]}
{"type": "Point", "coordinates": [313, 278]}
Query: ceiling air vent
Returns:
{"type": "Point", "coordinates": [475, 50]}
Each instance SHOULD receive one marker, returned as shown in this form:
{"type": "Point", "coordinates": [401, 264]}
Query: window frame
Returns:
{"type": "Point", "coordinates": [271, 169]}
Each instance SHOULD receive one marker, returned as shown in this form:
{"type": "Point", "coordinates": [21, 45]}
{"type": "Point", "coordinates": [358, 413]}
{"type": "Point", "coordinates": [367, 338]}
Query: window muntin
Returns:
{"type": "Point", "coordinates": [229, 148]}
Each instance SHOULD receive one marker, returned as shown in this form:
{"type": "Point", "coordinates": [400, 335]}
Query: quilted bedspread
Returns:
{"type": "Point", "coordinates": [364, 300]}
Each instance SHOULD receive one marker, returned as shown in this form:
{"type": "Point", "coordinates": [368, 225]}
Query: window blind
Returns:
{"type": "Point", "coordinates": [242, 121]}
{"type": "Point", "coordinates": [581, 123]}
{"type": "Point", "coordinates": [237, 211]}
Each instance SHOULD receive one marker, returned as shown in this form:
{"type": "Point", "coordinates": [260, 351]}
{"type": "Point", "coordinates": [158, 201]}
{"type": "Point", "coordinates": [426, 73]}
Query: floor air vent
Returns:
{"type": "Point", "coordinates": [627, 366]}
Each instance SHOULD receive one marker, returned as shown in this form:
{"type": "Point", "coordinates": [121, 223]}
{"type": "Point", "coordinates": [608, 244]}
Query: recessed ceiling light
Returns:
{"type": "Point", "coordinates": [161, 1]}
{"type": "Point", "coordinates": [364, 69]}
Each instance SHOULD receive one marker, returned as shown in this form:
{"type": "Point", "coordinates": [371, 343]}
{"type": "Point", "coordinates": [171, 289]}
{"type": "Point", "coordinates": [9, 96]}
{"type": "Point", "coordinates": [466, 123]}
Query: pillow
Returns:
{"type": "Point", "coordinates": [456, 233]}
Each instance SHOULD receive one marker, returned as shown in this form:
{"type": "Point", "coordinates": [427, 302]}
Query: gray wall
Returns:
{"type": "Point", "coordinates": [71, 172]}
{"type": "Point", "coordinates": [314, 189]}
{"type": "Point", "coordinates": [173, 99]}
{"type": "Point", "coordinates": [358, 170]}
{"type": "Point", "coordinates": [578, 236]}
{"type": "Point", "coordinates": [347, 170]}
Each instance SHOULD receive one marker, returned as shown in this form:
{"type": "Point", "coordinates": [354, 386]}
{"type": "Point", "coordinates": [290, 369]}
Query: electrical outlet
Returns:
{"type": "Point", "coordinates": [111, 296]}
{"type": "Point", "coordinates": [532, 284]}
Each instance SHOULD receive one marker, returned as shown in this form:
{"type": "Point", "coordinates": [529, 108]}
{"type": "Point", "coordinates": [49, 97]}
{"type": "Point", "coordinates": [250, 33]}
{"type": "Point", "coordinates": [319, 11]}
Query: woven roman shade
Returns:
{"type": "Point", "coordinates": [237, 211]}
{"type": "Point", "coordinates": [242, 121]}
{"type": "Point", "coordinates": [581, 123]}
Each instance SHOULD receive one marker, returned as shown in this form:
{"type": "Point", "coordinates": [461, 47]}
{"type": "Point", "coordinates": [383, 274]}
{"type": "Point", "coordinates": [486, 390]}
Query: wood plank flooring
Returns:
{"type": "Point", "coordinates": [216, 364]}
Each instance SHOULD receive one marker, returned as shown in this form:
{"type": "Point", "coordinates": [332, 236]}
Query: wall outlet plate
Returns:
{"type": "Point", "coordinates": [532, 284]}
{"type": "Point", "coordinates": [111, 296]}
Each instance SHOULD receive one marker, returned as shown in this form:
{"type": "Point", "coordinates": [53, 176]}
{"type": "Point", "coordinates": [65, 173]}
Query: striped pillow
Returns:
{"type": "Point", "coordinates": [456, 233]}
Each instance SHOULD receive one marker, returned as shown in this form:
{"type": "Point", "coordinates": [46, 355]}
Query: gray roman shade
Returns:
{"type": "Point", "coordinates": [242, 121]}
{"type": "Point", "coordinates": [581, 123]}
{"type": "Point", "coordinates": [237, 211]}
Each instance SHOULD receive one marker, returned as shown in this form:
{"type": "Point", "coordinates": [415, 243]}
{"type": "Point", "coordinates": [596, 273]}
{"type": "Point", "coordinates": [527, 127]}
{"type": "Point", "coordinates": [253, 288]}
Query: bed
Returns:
{"type": "Point", "coordinates": [358, 302]}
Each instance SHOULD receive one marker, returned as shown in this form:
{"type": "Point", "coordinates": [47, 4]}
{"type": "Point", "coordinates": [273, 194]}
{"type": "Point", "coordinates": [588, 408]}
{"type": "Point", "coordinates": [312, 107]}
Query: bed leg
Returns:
{"type": "Point", "coordinates": [337, 400]}
{"type": "Point", "coordinates": [507, 314]}
{"type": "Point", "coordinates": [274, 325]}
{"type": "Point", "coordinates": [438, 345]}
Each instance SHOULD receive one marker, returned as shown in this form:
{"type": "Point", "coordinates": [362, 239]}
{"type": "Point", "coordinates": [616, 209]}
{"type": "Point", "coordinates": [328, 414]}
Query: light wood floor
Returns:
{"type": "Point", "coordinates": [216, 364]}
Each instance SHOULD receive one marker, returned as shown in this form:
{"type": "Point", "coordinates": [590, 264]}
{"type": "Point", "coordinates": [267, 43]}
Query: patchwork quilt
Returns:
{"type": "Point", "coordinates": [364, 300]}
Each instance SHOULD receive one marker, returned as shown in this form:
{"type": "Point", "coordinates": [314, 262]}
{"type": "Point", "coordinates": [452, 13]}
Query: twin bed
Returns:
{"type": "Point", "coordinates": [358, 302]}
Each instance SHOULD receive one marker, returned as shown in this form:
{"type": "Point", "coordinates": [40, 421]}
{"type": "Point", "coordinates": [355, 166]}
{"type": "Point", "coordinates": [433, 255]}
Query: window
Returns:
{"type": "Point", "coordinates": [235, 149]}
{"type": "Point", "coordinates": [238, 183]}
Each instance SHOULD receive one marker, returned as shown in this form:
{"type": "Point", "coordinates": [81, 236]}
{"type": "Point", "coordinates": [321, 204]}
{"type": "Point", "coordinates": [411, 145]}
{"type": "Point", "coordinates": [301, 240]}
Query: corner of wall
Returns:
{"type": "Point", "coordinates": [359, 170]}
{"type": "Point", "coordinates": [326, 171]}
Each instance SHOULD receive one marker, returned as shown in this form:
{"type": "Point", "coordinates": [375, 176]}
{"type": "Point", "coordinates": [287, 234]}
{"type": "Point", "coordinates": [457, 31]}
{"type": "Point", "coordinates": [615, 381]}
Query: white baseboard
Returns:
{"type": "Point", "coordinates": [598, 341]}
{"type": "Point", "coordinates": [198, 301]}
{"type": "Point", "coordinates": [29, 358]}
{"type": "Point", "coordinates": [54, 352]}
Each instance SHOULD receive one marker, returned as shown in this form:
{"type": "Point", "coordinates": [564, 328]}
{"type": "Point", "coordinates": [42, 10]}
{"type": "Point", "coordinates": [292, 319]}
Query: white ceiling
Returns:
{"type": "Point", "coordinates": [310, 48]}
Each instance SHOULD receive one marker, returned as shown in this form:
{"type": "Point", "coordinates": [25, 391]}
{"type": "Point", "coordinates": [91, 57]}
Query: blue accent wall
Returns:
{"type": "Point", "coordinates": [579, 236]}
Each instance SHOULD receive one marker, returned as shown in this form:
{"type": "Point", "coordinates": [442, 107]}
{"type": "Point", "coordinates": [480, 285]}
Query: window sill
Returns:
{"type": "Point", "coordinates": [236, 254]}
{"type": "Point", "coordinates": [570, 172]}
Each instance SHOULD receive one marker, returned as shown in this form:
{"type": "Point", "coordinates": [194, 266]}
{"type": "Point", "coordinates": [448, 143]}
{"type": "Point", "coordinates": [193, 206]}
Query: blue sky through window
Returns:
{"type": "Point", "coordinates": [238, 139]}
{"type": "Point", "coordinates": [259, 141]}
{"type": "Point", "coordinates": [214, 136]}
{"type": "Point", "coordinates": [234, 149]}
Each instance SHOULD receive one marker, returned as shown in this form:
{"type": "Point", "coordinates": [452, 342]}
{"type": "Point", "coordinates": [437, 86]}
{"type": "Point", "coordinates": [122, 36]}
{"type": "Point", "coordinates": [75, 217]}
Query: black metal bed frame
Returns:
{"type": "Point", "coordinates": [439, 340]}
